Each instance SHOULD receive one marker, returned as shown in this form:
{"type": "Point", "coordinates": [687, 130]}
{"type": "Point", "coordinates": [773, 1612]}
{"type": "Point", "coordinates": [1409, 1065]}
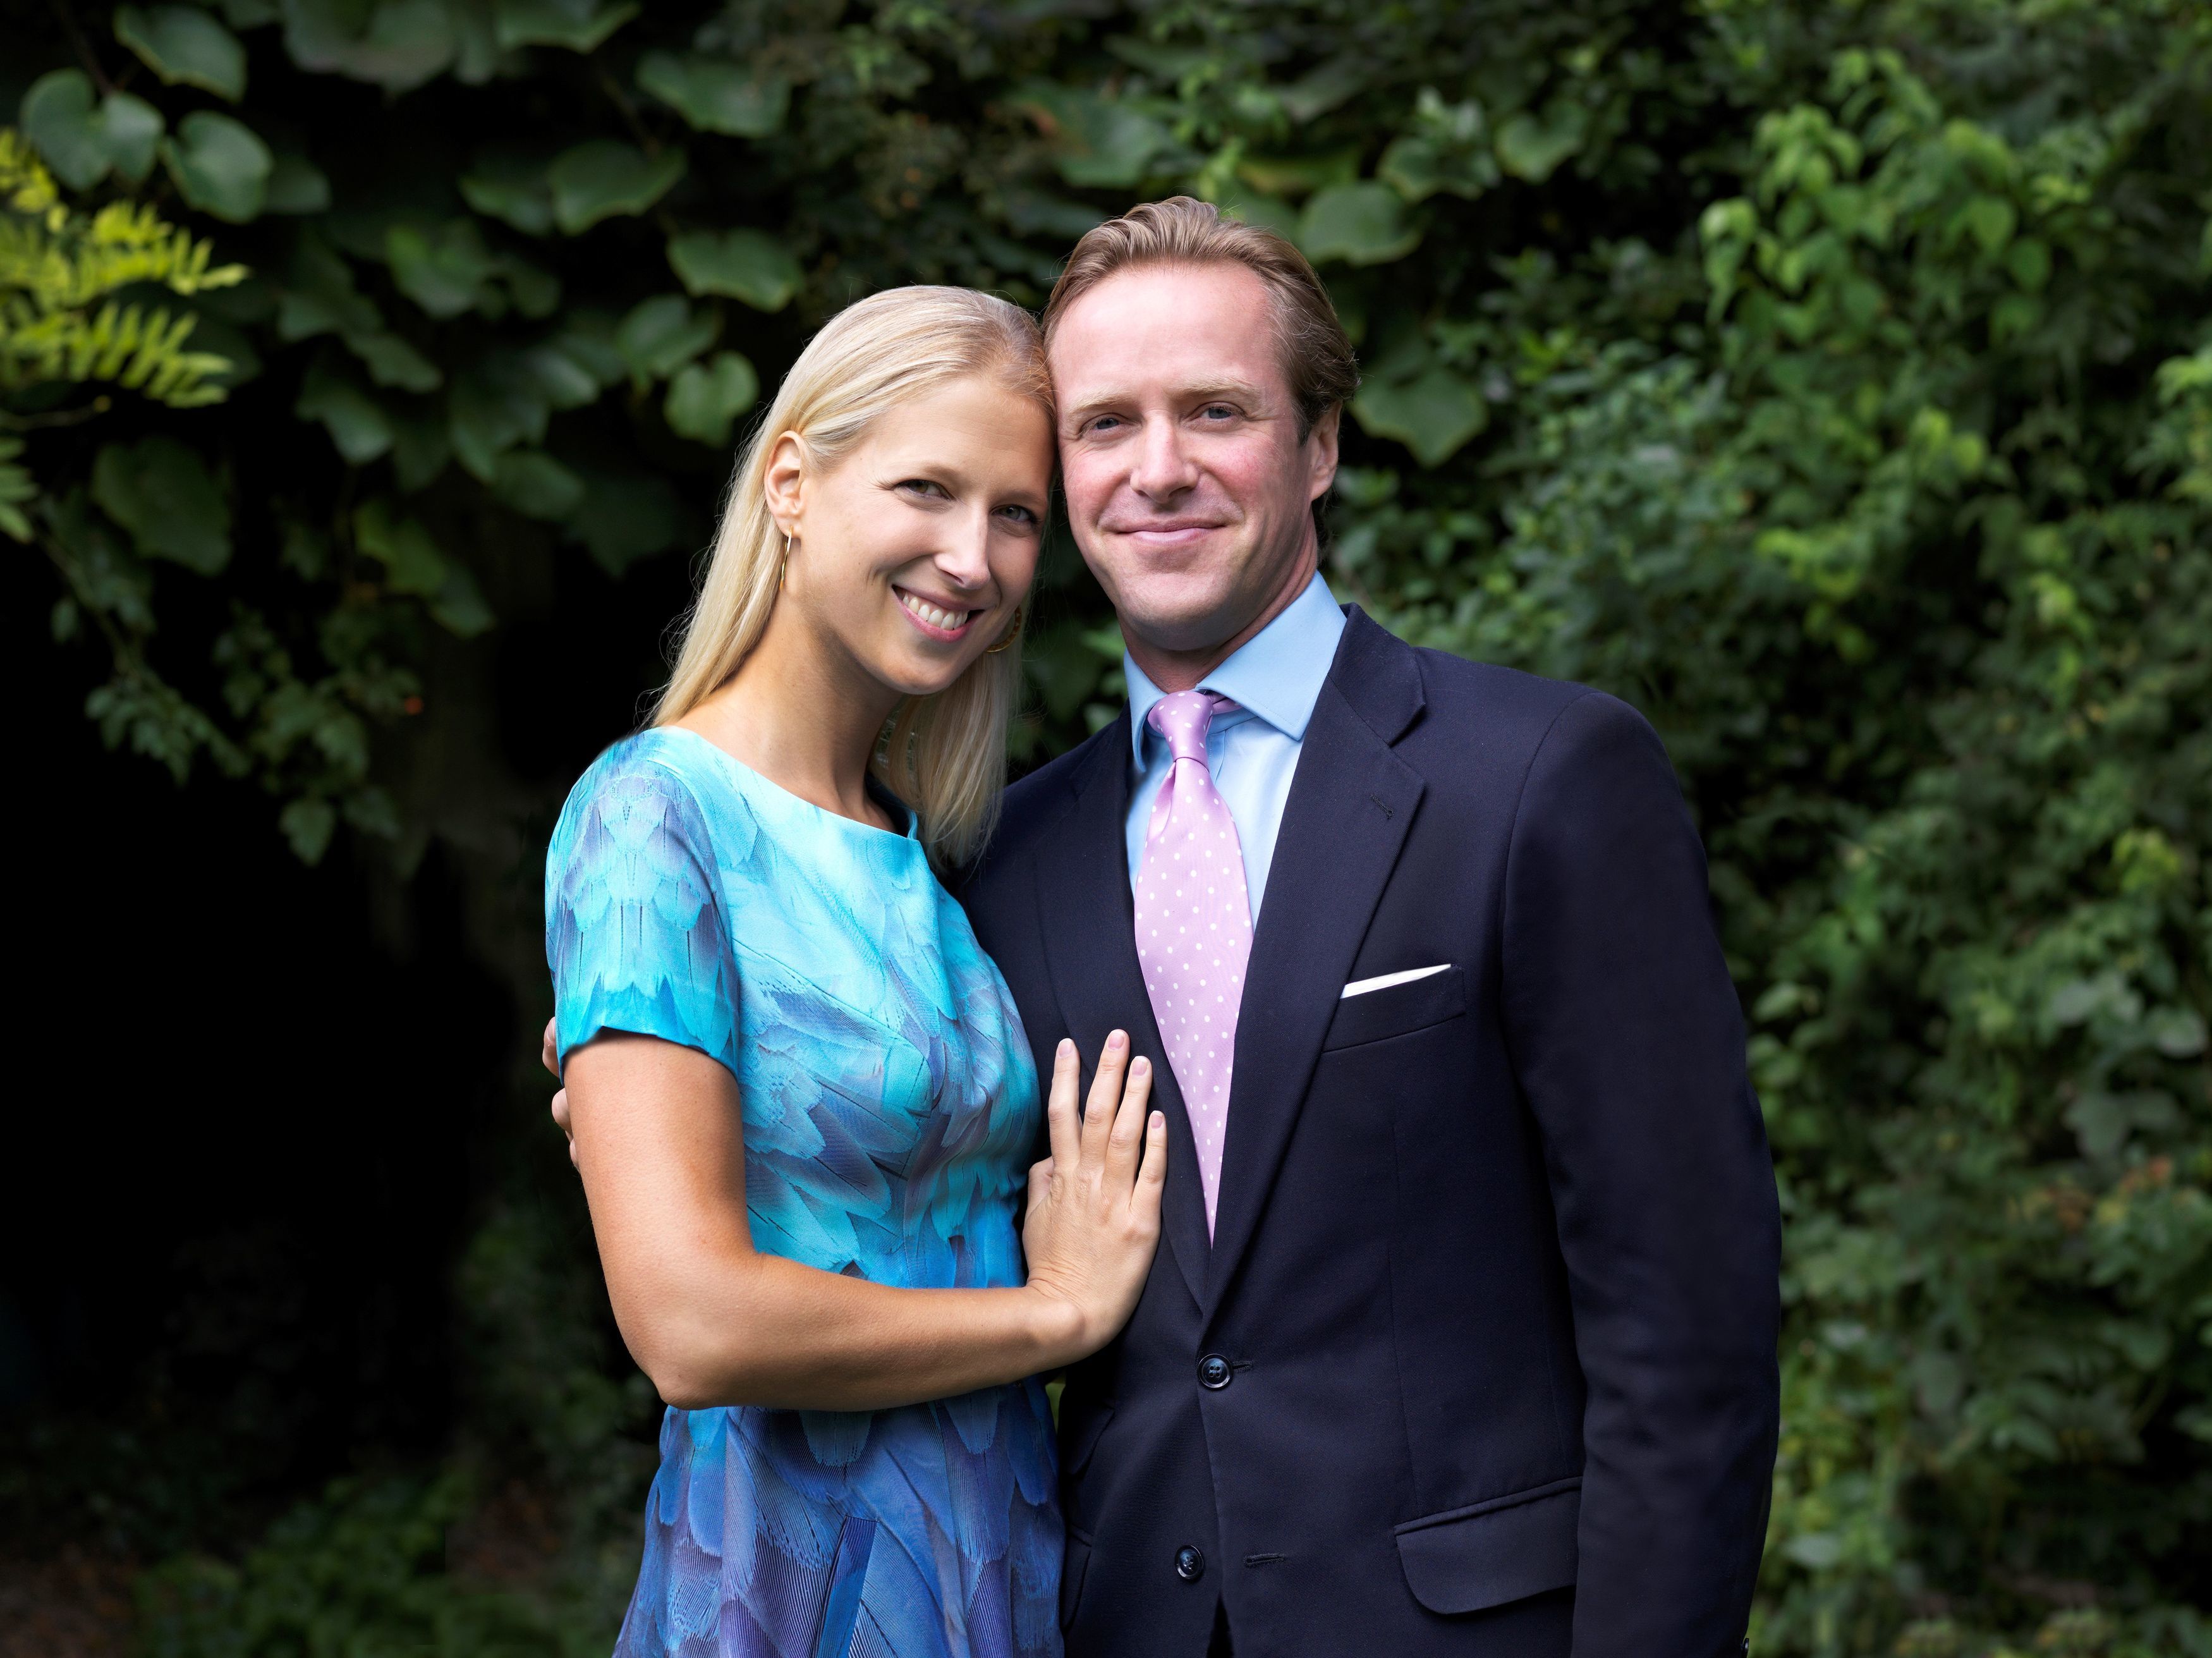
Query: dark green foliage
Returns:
{"type": "Point", "coordinates": [1835, 383]}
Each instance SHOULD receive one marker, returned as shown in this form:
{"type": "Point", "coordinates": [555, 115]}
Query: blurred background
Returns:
{"type": "Point", "coordinates": [1832, 381]}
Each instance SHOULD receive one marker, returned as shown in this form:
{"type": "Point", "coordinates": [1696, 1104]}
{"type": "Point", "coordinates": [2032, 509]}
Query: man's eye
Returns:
{"type": "Point", "coordinates": [1219, 411]}
{"type": "Point", "coordinates": [1100, 423]}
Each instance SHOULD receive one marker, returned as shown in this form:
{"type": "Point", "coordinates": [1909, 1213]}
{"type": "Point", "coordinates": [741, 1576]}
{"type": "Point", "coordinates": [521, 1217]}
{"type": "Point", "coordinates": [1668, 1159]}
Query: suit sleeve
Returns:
{"type": "Point", "coordinates": [1628, 1042]}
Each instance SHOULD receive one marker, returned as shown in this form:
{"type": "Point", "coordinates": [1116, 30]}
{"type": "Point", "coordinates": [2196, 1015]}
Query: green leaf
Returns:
{"type": "Point", "coordinates": [1314, 94]}
{"type": "Point", "coordinates": [318, 297]}
{"type": "Point", "coordinates": [1239, 200]}
{"type": "Point", "coordinates": [579, 25]}
{"type": "Point", "coordinates": [704, 399]}
{"type": "Point", "coordinates": [537, 485]}
{"type": "Point", "coordinates": [251, 14]}
{"type": "Point", "coordinates": [1361, 224]}
{"type": "Point", "coordinates": [395, 44]}
{"type": "Point", "coordinates": [1300, 175]}
{"type": "Point", "coordinates": [1531, 147]}
{"type": "Point", "coordinates": [1097, 143]}
{"type": "Point", "coordinates": [716, 97]}
{"type": "Point", "coordinates": [81, 142]}
{"type": "Point", "coordinates": [356, 423]}
{"type": "Point", "coordinates": [497, 404]}
{"type": "Point", "coordinates": [220, 167]}
{"type": "Point", "coordinates": [625, 518]}
{"type": "Point", "coordinates": [1447, 149]}
{"type": "Point", "coordinates": [444, 270]}
{"type": "Point", "coordinates": [412, 564]}
{"type": "Point", "coordinates": [419, 449]}
{"type": "Point", "coordinates": [458, 607]}
{"type": "Point", "coordinates": [307, 826]}
{"type": "Point", "coordinates": [511, 189]}
{"type": "Point", "coordinates": [1432, 415]}
{"type": "Point", "coordinates": [661, 335]}
{"type": "Point", "coordinates": [185, 47]}
{"type": "Point", "coordinates": [746, 264]}
{"type": "Point", "coordinates": [163, 494]}
{"type": "Point", "coordinates": [392, 362]}
{"type": "Point", "coordinates": [604, 179]}
{"type": "Point", "coordinates": [296, 184]}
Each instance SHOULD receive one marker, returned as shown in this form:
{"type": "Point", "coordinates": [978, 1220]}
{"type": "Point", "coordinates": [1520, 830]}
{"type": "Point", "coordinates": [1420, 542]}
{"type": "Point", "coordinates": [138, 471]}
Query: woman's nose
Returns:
{"type": "Point", "coordinates": [965, 557]}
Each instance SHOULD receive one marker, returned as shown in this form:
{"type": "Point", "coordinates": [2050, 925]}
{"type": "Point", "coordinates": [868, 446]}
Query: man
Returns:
{"type": "Point", "coordinates": [1462, 1339]}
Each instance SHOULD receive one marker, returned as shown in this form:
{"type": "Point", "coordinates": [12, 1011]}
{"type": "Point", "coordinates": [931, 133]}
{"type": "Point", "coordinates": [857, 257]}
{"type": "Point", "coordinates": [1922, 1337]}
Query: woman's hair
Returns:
{"type": "Point", "coordinates": [944, 755]}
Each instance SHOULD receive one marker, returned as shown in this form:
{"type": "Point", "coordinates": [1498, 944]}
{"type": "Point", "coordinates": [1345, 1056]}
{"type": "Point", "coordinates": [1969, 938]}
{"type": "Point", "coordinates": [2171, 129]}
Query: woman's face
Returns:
{"type": "Point", "coordinates": [912, 553]}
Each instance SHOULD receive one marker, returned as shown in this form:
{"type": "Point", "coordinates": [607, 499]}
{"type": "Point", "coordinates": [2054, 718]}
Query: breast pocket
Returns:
{"type": "Point", "coordinates": [1397, 1010]}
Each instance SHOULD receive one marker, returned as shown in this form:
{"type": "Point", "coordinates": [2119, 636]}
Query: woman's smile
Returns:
{"type": "Point", "coordinates": [937, 620]}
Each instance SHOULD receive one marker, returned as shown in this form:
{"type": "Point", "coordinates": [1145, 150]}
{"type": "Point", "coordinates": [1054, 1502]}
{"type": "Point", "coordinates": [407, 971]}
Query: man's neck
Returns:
{"type": "Point", "coordinates": [1182, 670]}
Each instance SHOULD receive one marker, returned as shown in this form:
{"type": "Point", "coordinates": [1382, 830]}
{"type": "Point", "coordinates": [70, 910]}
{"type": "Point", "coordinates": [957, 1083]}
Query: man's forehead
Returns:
{"type": "Point", "coordinates": [1177, 328]}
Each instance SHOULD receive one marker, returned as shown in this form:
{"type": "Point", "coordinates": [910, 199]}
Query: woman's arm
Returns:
{"type": "Point", "coordinates": [658, 1135]}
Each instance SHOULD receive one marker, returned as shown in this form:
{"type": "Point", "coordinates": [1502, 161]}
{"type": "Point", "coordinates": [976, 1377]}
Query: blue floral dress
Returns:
{"type": "Point", "coordinates": [889, 1108]}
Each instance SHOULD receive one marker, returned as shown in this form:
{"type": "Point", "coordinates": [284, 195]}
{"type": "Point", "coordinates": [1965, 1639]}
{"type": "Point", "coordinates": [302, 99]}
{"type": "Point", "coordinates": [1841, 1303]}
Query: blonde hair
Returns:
{"type": "Point", "coordinates": [944, 755]}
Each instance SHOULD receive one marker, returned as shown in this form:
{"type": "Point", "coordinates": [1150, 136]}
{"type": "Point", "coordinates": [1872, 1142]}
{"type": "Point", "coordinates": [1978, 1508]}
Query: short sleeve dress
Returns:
{"type": "Point", "coordinates": [890, 1109]}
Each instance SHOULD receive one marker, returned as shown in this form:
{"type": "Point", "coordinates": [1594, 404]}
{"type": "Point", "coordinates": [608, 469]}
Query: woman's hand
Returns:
{"type": "Point", "coordinates": [1094, 1214]}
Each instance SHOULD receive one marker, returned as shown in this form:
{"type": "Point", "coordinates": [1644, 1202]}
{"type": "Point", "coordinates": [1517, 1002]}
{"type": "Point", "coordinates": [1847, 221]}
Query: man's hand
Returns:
{"type": "Point", "coordinates": [551, 1055]}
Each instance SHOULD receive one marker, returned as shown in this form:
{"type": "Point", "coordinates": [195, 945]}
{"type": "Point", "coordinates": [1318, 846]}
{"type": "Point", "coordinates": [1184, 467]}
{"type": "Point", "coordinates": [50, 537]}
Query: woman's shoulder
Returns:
{"type": "Point", "coordinates": [659, 783]}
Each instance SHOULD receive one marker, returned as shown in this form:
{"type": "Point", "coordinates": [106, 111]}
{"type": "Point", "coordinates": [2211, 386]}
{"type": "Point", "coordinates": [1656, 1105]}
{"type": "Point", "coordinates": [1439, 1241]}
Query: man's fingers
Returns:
{"type": "Point", "coordinates": [550, 1054]}
{"type": "Point", "coordinates": [1060, 1106]}
{"type": "Point", "coordinates": [1126, 1142]}
{"type": "Point", "coordinates": [1105, 1096]}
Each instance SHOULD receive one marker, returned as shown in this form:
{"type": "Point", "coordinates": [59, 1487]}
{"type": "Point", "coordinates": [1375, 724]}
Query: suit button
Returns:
{"type": "Point", "coordinates": [1190, 1564]}
{"type": "Point", "coordinates": [1213, 1372]}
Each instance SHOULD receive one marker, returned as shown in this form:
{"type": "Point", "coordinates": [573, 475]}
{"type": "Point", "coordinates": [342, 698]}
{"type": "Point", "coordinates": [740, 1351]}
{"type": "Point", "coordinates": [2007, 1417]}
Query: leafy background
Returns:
{"type": "Point", "coordinates": [1833, 381]}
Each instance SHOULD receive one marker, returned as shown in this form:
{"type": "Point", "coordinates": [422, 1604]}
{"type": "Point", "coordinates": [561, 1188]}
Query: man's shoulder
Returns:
{"type": "Point", "coordinates": [1033, 807]}
{"type": "Point", "coordinates": [1509, 705]}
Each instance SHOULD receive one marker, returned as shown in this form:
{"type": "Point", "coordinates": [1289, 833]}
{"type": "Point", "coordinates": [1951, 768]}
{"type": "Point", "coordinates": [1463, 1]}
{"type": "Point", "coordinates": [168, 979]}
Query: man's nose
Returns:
{"type": "Point", "coordinates": [1164, 469]}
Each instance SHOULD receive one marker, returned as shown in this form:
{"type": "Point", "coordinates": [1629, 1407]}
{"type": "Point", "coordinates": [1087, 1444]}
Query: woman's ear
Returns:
{"type": "Point", "coordinates": [785, 481]}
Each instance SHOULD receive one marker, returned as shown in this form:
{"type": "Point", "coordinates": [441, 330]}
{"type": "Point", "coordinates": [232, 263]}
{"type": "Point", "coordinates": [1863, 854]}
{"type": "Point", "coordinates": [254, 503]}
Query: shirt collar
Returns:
{"type": "Point", "coordinates": [1277, 674]}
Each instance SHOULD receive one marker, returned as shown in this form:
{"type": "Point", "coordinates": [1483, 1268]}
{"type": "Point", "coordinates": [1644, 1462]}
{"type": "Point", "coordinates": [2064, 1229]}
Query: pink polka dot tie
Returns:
{"type": "Point", "coordinates": [1194, 925]}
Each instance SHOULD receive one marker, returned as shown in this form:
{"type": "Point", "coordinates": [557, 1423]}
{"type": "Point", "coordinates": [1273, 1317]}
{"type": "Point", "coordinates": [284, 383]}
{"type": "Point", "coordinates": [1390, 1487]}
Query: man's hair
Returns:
{"type": "Point", "coordinates": [1315, 353]}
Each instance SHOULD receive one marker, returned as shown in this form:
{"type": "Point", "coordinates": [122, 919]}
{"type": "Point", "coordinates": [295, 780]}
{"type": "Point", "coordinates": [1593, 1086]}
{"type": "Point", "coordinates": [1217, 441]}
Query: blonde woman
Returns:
{"type": "Point", "coordinates": [799, 1093]}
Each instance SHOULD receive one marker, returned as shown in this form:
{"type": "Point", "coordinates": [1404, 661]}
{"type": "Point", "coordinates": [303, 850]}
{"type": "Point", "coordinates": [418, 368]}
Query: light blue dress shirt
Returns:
{"type": "Point", "coordinates": [1276, 678]}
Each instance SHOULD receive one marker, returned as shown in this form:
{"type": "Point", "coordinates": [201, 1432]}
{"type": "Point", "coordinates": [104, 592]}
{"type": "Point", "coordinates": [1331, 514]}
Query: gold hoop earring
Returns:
{"type": "Point", "coordinates": [1012, 635]}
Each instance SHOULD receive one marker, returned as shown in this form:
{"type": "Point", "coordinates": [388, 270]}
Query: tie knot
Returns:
{"type": "Point", "coordinates": [1183, 717]}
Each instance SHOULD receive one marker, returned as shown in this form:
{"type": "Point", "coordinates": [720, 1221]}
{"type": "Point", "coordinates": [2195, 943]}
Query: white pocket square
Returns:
{"type": "Point", "coordinates": [1384, 980]}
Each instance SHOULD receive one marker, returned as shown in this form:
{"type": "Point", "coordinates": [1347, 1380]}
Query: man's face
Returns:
{"type": "Point", "coordinates": [1188, 486]}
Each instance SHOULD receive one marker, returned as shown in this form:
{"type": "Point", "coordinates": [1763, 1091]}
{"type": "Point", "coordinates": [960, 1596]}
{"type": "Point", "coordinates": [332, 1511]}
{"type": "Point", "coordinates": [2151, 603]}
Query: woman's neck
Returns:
{"type": "Point", "coordinates": [803, 717]}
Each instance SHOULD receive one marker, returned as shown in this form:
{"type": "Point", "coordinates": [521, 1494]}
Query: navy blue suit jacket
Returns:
{"type": "Point", "coordinates": [1494, 1276]}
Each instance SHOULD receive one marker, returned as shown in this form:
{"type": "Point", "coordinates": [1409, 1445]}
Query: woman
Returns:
{"type": "Point", "coordinates": [800, 1096]}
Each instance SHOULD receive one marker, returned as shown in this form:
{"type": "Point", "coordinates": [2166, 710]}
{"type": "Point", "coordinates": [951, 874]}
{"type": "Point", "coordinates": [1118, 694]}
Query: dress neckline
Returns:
{"type": "Point", "coordinates": [899, 809]}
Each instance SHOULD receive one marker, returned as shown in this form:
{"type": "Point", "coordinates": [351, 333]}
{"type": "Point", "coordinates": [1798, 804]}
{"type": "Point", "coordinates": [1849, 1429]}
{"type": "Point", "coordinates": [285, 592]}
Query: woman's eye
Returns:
{"type": "Point", "coordinates": [928, 486]}
{"type": "Point", "coordinates": [1021, 515]}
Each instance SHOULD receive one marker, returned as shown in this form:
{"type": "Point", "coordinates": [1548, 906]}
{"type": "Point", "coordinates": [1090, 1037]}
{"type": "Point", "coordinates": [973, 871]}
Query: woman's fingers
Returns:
{"type": "Point", "coordinates": [548, 1054]}
{"type": "Point", "coordinates": [1126, 1142]}
{"type": "Point", "coordinates": [1152, 1178]}
{"type": "Point", "coordinates": [1039, 1181]}
{"type": "Point", "coordinates": [1105, 1096]}
{"type": "Point", "coordinates": [1061, 1123]}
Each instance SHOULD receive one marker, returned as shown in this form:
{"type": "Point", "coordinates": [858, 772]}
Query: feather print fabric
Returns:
{"type": "Point", "coordinates": [889, 1109]}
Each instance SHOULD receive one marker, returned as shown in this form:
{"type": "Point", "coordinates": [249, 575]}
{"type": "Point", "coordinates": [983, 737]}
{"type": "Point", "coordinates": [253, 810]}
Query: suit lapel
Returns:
{"type": "Point", "coordinates": [1350, 805]}
{"type": "Point", "coordinates": [1089, 918]}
